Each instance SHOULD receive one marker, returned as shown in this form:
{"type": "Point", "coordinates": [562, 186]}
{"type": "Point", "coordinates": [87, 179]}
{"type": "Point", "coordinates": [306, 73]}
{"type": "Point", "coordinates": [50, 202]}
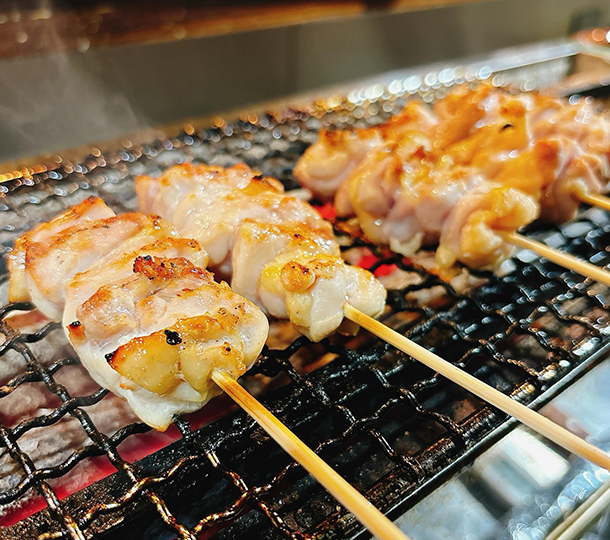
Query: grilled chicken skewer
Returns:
{"type": "Point", "coordinates": [148, 322]}
{"type": "Point", "coordinates": [151, 192]}
{"type": "Point", "coordinates": [277, 250]}
{"type": "Point", "coordinates": [481, 165]}
{"type": "Point", "coordinates": [151, 325]}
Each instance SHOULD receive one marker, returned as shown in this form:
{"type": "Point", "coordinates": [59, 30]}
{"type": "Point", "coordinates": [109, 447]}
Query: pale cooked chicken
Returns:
{"type": "Point", "coordinates": [580, 133]}
{"type": "Point", "coordinates": [281, 253]}
{"type": "Point", "coordinates": [499, 136]}
{"type": "Point", "coordinates": [296, 272]}
{"type": "Point", "coordinates": [458, 113]}
{"type": "Point", "coordinates": [405, 204]}
{"type": "Point", "coordinates": [52, 260]}
{"type": "Point", "coordinates": [147, 322]}
{"type": "Point", "coordinates": [470, 127]}
{"type": "Point", "coordinates": [119, 263]}
{"type": "Point", "coordinates": [472, 232]}
{"type": "Point", "coordinates": [328, 162]}
{"type": "Point", "coordinates": [210, 204]}
{"type": "Point", "coordinates": [584, 136]}
{"type": "Point", "coordinates": [577, 119]}
{"type": "Point", "coordinates": [579, 173]}
{"type": "Point", "coordinates": [154, 333]}
{"type": "Point", "coordinates": [90, 209]}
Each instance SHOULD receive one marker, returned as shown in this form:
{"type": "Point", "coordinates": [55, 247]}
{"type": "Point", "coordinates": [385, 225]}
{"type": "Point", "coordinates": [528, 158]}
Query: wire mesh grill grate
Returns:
{"type": "Point", "coordinates": [388, 424]}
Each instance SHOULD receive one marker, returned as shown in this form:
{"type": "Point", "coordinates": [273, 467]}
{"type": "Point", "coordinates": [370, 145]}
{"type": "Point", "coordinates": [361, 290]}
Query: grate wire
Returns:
{"type": "Point", "coordinates": [390, 425]}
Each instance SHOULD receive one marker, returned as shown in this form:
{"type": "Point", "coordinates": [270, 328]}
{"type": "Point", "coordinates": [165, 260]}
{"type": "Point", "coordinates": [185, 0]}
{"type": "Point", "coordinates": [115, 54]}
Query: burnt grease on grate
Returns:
{"type": "Point", "coordinates": [386, 423]}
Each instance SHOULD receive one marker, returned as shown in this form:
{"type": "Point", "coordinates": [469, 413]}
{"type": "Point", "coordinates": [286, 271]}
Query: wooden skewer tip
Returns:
{"type": "Point", "coordinates": [601, 201]}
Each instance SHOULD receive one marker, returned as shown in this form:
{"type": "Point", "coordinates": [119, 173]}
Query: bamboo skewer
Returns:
{"type": "Point", "coordinates": [563, 259]}
{"type": "Point", "coordinates": [584, 517]}
{"type": "Point", "coordinates": [530, 418]}
{"type": "Point", "coordinates": [348, 496]}
{"type": "Point", "coordinates": [601, 201]}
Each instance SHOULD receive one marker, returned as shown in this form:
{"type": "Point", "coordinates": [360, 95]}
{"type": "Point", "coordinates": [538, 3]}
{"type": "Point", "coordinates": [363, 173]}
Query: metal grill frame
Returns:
{"type": "Point", "coordinates": [157, 478]}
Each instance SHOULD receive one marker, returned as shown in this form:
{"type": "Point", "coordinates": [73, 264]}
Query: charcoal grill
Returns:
{"type": "Point", "coordinates": [387, 423]}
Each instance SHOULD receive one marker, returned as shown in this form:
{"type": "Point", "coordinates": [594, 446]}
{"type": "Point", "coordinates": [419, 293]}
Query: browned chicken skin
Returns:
{"type": "Point", "coordinates": [155, 333]}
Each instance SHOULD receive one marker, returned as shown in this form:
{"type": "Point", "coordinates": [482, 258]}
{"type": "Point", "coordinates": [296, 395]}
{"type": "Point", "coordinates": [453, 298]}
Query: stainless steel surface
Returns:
{"type": "Point", "coordinates": [507, 493]}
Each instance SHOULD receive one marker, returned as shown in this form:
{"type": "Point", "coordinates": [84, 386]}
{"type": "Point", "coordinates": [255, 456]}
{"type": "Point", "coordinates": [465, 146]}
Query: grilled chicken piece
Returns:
{"type": "Point", "coordinates": [578, 121]}
{"type": "Point", "coordinates": [471, 232]}
{"type": "Point", "coordinates": [210, 204]}
{"type": "Point", "coordinates": [504, 134]}
{"type": "Point", "coordinates": [480, 127]}
{"type": "Point", "coordinates": [254, 230]}
{"type": "Point", "coordinates": [555, 172]}
{"type": "Point", "coordinates": [404, 204]}
{"type": "Point", "coordinates": [407, 204]}
{"type": "Point", "coordinates": [328, 162]}
{"type": "Point", "coordinates": [584, 137]}
{"type": "Point", "coordinates": [327, 165]}
{"type": "Point", "coordinates": [90, 209]}
{"type": "Point", "coordinates": [579, 173]}
{"type": "Point", "coordinates": [458, 113]}
{"type": "Point", "coordinates": [51, 262]}
{"type": "Point", "coordinates": [296, 272]}
{"type": "Point", "coordinates": [120, 263]}
{"type": "Point", "coordinates": [155, 331]}
{"type": "Point", "coordinates": [162, 195]}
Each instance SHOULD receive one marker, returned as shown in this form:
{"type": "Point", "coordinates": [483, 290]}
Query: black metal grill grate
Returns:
{"type": "Point", "coordinates": [388, 424]}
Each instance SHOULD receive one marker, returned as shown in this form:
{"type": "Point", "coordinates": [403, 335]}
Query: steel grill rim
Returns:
{"type": "Point", "coordinates": [370, 410]}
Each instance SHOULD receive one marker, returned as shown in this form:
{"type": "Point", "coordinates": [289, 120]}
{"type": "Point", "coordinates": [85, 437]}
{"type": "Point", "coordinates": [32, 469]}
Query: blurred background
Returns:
{"type": "Point", "coordinates": [80, 72]}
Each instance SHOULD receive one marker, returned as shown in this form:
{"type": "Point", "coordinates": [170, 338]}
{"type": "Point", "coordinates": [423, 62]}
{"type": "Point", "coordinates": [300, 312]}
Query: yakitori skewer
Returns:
{"type": "Point", "coordinates": [601, 201]}
{"type": "Point", "coordinates": [462, 172]}
{"type": "Point", "coordinates": [529, 417]}
{"type": "Point", "coordinates": [282, 264]}
{"type": "Point", "coordinates": [358, 505]}
{"type": "Point", "coordinates": [584, 517]}
{"type": "Point", "coordinates": [566, 260]}
{"type": "Point", "coordinates": [150, 324]}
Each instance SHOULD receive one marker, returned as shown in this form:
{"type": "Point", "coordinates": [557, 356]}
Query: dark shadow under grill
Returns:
{"type": "Point", "coordinates": [386, 423]}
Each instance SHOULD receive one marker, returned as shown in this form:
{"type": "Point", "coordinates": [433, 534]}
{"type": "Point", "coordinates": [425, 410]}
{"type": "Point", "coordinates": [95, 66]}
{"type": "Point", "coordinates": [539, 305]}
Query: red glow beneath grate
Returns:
{"type": "Point", "coordinates": [327, 211]}
{"type": "Point", "coordinates": [134, 448]}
